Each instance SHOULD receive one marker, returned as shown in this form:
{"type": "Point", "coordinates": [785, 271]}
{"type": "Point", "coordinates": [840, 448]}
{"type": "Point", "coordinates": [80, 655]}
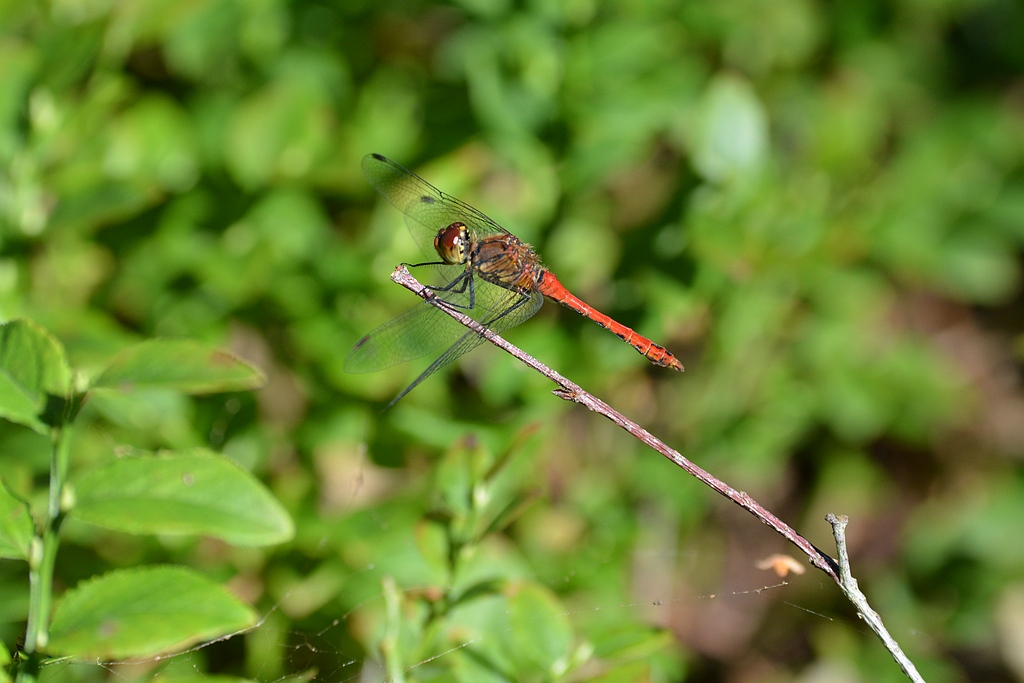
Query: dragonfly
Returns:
{"type": "Point", "coordinates": [485, 271]}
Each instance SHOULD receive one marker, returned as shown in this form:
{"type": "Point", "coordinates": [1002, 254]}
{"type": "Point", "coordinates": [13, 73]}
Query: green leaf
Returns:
{"type": "Point", "coordinates": [732, 139]}
{"type": "Point", "coordinates": [33, 368]}
{"type": "Point", "coordinates": [18, 405]}
{"type": "Point", "coordinates": [153, 143]}
{"type": "Point", "coordinates": [191, 492]}
{"type": "Point", "coordinates": [468, 667]}
{"type": "Point", "coordinates": [455, 480]}
{"type": "Point", "coordinates": [5, 661]}
{"type": "Point", "coordinates": [630, 643]}
{"type": "Point", "coordinates": [979, 267]}
{"type": "Point", "coordinates": [540, 635]}
{"type": "Point", "coordinates": [433, 545]}
{"type": "Point", "coordinates": [16, 526]}
{"type": "Point", "coordinates": [277, 131]}
{"type": "Point", "coordinates": [537, 638]}
{"type": "Point", "coordinates": [144, 612]}
{"type": "Point", "coordinates": [179, 364]}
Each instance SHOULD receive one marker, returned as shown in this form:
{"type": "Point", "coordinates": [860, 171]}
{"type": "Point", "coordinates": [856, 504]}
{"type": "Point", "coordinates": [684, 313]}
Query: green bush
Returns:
{"type": "Point", "coordinates": [817, 207]}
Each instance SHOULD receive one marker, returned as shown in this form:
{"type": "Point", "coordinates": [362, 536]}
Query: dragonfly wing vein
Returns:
{"type": "Point", "coordinates": [518, 308]}
{"type": "Point", "coordinates": [410, 335]}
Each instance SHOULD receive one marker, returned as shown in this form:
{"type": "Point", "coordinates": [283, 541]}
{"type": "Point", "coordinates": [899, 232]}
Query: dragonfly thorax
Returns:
{"type": "Point", "coordinates": [450, 243]}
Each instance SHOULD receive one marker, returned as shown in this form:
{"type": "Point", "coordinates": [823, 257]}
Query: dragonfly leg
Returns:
{"type": "Point", "coordinates": [450, 287]}
{"type": "Point", "coordinates": [458, 286]}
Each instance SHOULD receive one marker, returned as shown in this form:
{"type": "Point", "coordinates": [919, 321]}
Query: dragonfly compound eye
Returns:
{"type": "Point", "coordinates": [450, 243]}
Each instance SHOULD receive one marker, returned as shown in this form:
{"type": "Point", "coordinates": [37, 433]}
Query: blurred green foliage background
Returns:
{"type": "Point", "coordinates": [818, 206]}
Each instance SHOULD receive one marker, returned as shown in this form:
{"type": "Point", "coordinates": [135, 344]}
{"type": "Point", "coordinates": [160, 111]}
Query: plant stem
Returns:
{"type": "Point", "coordinates": [390, 643]}
{"type": "Point", "coordinates": [43, 558]}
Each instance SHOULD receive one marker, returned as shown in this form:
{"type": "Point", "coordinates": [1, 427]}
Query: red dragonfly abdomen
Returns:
{"type": "Point", "coordinates": [550, 287]}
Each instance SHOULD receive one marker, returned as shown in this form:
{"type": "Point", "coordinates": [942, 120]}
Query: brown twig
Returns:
{"type": "Point", "coordinates": [838, 572]}
{"type": "Point", "coordinates": [852, 591]}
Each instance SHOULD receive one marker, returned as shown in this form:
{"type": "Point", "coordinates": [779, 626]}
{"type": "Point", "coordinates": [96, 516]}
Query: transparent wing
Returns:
{"type": "Point", "coordinates": [427, 209]}
{"type": "Point", "coordinates": [411, 335]}
{"type": "Point", "coordinates": [423, 328]}
{"type": "Point", "coordinates": [523, 308]}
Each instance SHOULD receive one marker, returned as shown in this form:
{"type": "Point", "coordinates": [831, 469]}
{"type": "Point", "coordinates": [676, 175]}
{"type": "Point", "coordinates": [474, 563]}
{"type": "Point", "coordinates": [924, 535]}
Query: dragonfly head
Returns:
{"type": "Point", "coordinates": [450, 243]}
